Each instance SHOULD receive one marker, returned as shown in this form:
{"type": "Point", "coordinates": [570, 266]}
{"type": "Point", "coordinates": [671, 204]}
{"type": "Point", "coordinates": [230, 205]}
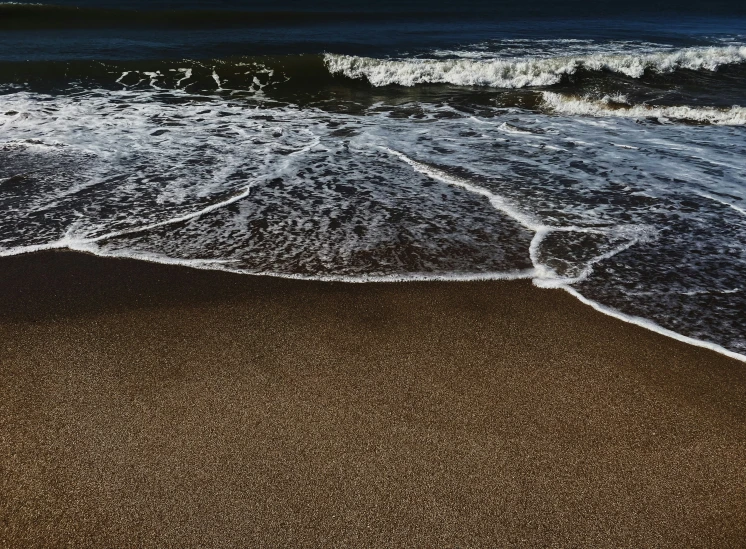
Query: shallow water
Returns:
{"type": "Point", "coordinates": [603, 155]}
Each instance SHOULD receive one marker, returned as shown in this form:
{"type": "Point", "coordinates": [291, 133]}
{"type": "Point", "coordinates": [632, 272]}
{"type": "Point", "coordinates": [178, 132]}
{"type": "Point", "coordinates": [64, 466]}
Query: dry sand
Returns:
{"type": "Point", "coordinates": [144, 405]}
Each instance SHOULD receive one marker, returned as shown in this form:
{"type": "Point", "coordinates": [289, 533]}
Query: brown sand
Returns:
{"type": "Point", "coordinates": [152, 406]}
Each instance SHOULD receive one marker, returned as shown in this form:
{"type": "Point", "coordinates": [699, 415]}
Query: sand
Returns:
{"type": "Point", "coordinates": [144, 405]}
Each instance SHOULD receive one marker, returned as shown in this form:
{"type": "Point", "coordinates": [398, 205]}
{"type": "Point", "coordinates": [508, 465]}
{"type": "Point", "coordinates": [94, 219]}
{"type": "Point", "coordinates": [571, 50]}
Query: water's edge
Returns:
{"type": "Point", "coordinates": [480, 277]}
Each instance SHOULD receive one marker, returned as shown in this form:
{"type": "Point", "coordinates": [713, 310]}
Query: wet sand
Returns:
{"type": "Point", "coordinates": [145, 405]}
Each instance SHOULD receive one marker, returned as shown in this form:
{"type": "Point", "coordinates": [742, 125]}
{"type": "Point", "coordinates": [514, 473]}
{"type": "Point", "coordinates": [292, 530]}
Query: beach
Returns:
{"type": "Point", "coordinates": [151, 405]}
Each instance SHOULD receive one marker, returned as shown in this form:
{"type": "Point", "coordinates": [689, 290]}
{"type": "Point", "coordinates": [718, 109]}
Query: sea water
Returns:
{"type": "Point", "coordinates": [598, 150]}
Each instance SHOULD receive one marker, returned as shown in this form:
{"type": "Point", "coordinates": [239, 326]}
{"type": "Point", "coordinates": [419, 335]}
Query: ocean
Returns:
{"type": "Point", "coordinates": [598, 148]}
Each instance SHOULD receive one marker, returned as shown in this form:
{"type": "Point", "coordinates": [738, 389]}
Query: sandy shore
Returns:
{"type": "Point", "coordinates": [151, 406]}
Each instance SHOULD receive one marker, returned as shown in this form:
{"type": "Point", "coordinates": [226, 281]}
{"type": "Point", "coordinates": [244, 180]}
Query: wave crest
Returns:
{"type": "Point", "coordinates": [614, 107]}
{"type": "Point", "coordinates": [526, 72]}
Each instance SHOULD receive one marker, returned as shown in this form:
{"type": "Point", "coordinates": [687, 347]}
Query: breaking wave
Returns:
{"type": "Point", "coordinates": [617, 107]}
{"type": "Point", "coordinates": [527, 71]}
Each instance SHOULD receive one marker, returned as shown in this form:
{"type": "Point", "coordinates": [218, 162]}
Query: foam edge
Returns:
{"type": "Point", "coordinates": [652, 326]}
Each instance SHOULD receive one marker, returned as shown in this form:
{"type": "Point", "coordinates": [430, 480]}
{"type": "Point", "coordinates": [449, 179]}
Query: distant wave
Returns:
{"type": "Point", "coordinates": [616, 107]}
{"type": "Point", "coordinates": [526, 72]}
{"type": "Point", "coordinates": [306, 79]}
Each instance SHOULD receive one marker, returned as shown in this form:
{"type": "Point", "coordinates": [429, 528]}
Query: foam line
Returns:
{"type": "Point", "coordinates": [723, 202]}
{"type": "Point", "coordinates": [71, 242]}
{"type": "Point", "coordinates": [560, 282]}
{"type": "Point", "coordinates": [20, 250]}
{"type": "Point", "coordinates": [545, 277]}
{"type": "Point", "coordinates": [652, 326]}
{"type": "Point", "coordinates": [223, 265]}
{"type": "Point", "coordinates": [205, 264]}
{"type": "Point", "coordinates": [186, 217]}
{"type": "Point", "coordinates": [498, 202]}
{"type": "Point", "coordinates": [540, 278]}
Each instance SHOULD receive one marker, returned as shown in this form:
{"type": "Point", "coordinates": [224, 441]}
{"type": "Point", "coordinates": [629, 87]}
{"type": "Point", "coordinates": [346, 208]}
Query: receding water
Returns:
{"type": "Point", "coordinates": [603, 154]}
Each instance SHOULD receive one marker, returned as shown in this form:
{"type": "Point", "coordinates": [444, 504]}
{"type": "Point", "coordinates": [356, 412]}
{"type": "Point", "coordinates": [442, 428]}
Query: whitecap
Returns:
{"type": "Point", "coordinates": [524, 72]}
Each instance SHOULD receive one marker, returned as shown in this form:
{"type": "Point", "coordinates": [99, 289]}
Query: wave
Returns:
{"type": "Point", "coordinates": [528, 71]}
{"type": "Point", "coordinates": [310, 73]}
{"type": "Point", "coordinates": [617, 107]}
{"type": "Point", "coordinates": [303, 192]}
{"type": "Point", "coordinates": [313, 79]}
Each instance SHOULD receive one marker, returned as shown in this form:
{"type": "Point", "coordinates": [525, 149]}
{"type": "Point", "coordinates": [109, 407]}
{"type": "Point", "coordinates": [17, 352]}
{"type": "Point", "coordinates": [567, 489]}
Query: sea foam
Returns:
{"type": "Point", "coordinates": [524, 72]}
{"type": "Point", "coordinates": [613, 107]}
{"type": "Point", "coordinates": [600, 206]}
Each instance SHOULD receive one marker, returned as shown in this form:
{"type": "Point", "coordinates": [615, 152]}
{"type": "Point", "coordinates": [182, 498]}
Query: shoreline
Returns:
{"type": "Point", "coordinates": [148, 404]}
{"type": "Point", "coordinates": [528, 275]}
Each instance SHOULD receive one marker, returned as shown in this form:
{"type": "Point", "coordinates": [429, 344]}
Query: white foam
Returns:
{"type": "Point", "coordinates": [119, 80]}
{"type": "Point", "coordinates": [582, 106]}
{"type": "Point", "coordinates": [187, 75]}
{"type": "Point", "coordinates": [723, 202]}
{"type": "Point", "coordinates": [498, 202]}
{"type": "Point", "coordinates": [225, 265]}
{"type": "Point", "coordinates": [154, 76]}
{"type": "Point", "coordinates": [192, 194]}
{"type": "Point", "coordinates": [652, 326]}
{"type": "Point", "coordinates": [217, 79]}
{"type": "Point", "coordinates": [526, 71]}
{"type": "Point", "coordinates": [508, 128]}
{"type": "Point", "coordinates": [544, 277]}
{"type": "Point", "coordinates": [172, 221]}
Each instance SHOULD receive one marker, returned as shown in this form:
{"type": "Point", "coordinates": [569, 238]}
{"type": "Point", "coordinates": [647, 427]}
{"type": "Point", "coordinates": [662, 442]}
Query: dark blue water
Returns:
{"type": "Point", "coordinates": [378, 38]}
{"type": "Point", "coordinates": [200, 29]}
{"type": "Point", "coordinates": [497, 7]}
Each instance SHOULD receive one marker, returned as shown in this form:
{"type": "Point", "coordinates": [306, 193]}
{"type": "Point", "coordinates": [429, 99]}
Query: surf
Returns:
{"type": "Point", "coordinates": [529, 71]}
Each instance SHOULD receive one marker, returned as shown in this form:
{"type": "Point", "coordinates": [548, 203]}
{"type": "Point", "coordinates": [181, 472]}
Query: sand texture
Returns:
{"type": "Point", "coordinates": [145, 405]}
